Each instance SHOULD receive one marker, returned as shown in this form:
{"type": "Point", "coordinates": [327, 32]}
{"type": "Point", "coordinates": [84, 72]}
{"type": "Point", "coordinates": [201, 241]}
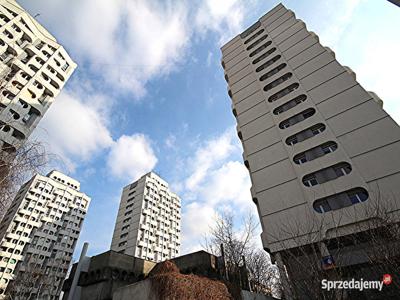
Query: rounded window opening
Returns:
{"type": "Point", "coordinates": [261, 48]}
{"type": "Point", "coordinates": [273, 72]}
{"type": "Point", "coordinates": [254, 36]}
{"type": "Point", "coordinates": [341, 200]}
{"type": "Point", "coordinates": [284, 92]}
{"type": "Point", "coordinates": [327, 174]}
{"type": "Point", "coordinates": [315, 152]}
{"type": "Point", "coordinates": [305, 114]}
{"type": "Point", "coordinates": [268, 63]}
{"type": "Point", "coordinates": [16, 28]}
{"type": "Point", "coordinates": [278, 81]}
{"type": "Point", "coordinates": [265, 55]}
{"type": "Point", "coordinates": [234, 112]}
{"type": "Point", "coordinates": [257, 42]}
{"type": "Point", "coordinates": [290, 104]}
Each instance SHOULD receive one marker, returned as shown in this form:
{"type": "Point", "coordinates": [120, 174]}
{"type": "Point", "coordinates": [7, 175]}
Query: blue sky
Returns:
{"type": "Point", "coordinates": [149, 93]}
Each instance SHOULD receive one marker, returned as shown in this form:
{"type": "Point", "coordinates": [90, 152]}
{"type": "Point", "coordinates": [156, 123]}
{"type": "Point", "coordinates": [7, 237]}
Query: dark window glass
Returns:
{"type": "Point", "coordinates": [261, 48]}
{"type": "Point", "coordinates": [340, 200]}
{"type": "Point", "coordinates": [290, 104]}
{"type": "Point", "coordinates": [297, 118]}
{"type": "Point", "coordinates": [272, 72]}
{"type": "Point", "coordinates": [254, 36]}
{"type": "Point", "coordinates": [265, 55]}
{"type": "Point", "coordinates": [268, 63]}
{"type": "Point", "coordinates": [283, 92]}
{"type": "Point", "coordinates": [257, 42]}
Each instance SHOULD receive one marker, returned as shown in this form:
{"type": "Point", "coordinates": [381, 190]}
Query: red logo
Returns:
{"type": "Point", "coordinates": [387, 279]}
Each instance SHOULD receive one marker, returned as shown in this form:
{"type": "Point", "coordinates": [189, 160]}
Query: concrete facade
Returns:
{"type": "Point", "coordinates": [103, 274]}
{"type": "Point", "coordinates": [113, 275]}
{"type": "Point", "coordinates": [40, 230]}
{"type": "Point", "coordinates": [33, 70]}
{"type": "Point", "coordinates": [148, 221]}
{"type": "Point", "coordinates": [318, 146]}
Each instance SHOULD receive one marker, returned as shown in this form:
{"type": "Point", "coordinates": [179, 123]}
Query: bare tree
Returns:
{"type": "Point", "coordinates": [263, 276]}
{"type": "Point", "coordinates": [367, 250]}
{"type": "Point", "coordinates": [17, 161]}
{"type": "Point", "coordinates": [242, 255]}
{"type": "Point", "coordinates": [16, 166]}
{"type": "Point", "coordinates": [37, 278]}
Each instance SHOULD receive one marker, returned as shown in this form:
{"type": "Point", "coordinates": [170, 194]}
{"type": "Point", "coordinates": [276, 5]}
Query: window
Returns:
{"type": "Point", "coordinates": [340, 200]}
{"type": "Point", "coordinates": [8, 34]}
{"type": "Point", "coordinates": [278, 81]}
{"type": "Point", "coordinates": [278, 110]}
{"type": "Point", "coordinates": [272, 72]}
{"type": "Point", "coordinates": [342, 169]}
{"type": "Point", "coordinates": [250, 30]}
{"type": "Point", "coordinates": [290, 104]}
{"type": "Point", "coordinates": [125, 227]}
{"type": "Point", "coordinates": [268, 63]}
{"type": "Point", "coordinates": [329, 147]}
{"type": "Point", "coordinates": [305, 114]}
{"type": "Point", "coordinates": [265, 55]}
{"type": "Point", "coordinates": [300, 159]}
{"type": "Point", "coordinates": [254, 36]}
{"type": "Point", "coordinates": [305, 134]}
{"type": "Point", "coordinates": [283, 92]}
{"type": "Point", "coordinates": [318, 129]}
{"type": "Point", "coordinates": [314, 153]}
{"type": "Point", "coordinates": [257, 42]}
{"type": "Point", "coordinates": [291, 140]}
{"type": "Point", "coordinates": [310, 181]}
{"type": "Point", "coordinates": [261, 48]}
{"type": "Point", "coordinates": [327, 174]}
{"type": "Point", "coordinates": [284, 125]}
{"type": "Point", "coordinates": [65, 67]}
{"type": "Point", "coordinates": [357, 196]}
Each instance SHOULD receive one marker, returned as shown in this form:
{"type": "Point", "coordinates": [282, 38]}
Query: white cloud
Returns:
{"type": "Point", "coordinates": [131, 156]}
{"type": "Point", "coordinates": [215, 182]}
{"type": "Point", "coordinates": [379, 73]}
{"type": "Point", "coordinates": [223, 16]}
{"type": "Point", "coordinates": [72, 129]}
{"type": "Point", "coordinates": [229, 184]}
{"type": "Point", "coordinates": [213, 152]}
{"type": "Point", "coordinates": [209, 58]}
{"type": "Point", "coordinates": [125, 42]}
{"type": "Point", "coordinates": [339, 16]}
{"type": "Point", "coordinates": [170, 141]}
{"type": "Point", "coordinates": [196, 221]}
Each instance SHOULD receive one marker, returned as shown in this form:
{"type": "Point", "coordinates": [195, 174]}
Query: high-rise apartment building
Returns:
{"type": "Point", "coordinates": [33, 70]}
{"type": "Point", "coordinates": [148, 222]}
{"type": "Point", "coordinates": [38, 236]}
{"type": "Point", "coordinates": [320, 149]}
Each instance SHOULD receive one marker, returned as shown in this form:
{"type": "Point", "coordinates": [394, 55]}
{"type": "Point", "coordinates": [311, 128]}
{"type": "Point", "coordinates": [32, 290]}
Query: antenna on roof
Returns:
{"type": "Point", "coordinates": [37, 15]}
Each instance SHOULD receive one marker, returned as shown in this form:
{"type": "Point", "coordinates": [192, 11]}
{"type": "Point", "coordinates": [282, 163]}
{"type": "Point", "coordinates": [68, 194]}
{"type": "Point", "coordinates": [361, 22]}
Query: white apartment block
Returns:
{"type": "Point", "coordinates": [33, 70]}
{"type": "Point", "coordinates": [39, 233]}
{"type": "Point", "coordinates": [148, 222]}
